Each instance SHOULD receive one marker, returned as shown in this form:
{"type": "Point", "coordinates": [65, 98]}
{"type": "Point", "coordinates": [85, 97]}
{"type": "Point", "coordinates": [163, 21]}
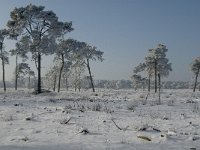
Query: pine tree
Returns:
{"type": "Point", "coordinates": [86, 53]}
{"type": "Point", "coordinates": [42, 27]}
{"type": "Point", "coordinates": [158, 63]}
{"type": "Point", "coordinates": [21, 51]}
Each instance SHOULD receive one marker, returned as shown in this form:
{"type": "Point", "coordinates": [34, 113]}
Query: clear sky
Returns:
{"type": "Point", "coordinates": [124, 30]}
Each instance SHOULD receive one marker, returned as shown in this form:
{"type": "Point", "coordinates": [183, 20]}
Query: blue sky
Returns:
{"type": "Point", "coordinates": [124, 30]}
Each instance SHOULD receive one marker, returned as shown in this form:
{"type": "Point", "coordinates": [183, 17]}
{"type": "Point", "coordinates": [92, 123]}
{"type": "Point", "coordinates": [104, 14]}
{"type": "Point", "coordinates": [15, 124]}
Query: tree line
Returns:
{"type": "Point", "coordinates": [39, 32]}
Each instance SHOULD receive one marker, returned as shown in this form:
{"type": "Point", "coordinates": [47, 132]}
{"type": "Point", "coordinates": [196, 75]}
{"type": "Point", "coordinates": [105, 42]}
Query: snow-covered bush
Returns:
{"type": "Point", "coordinates": [97, 107]}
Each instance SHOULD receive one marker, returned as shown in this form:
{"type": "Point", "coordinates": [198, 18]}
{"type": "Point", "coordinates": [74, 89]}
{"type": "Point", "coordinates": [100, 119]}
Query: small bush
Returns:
{"type": "Point", "coordinates": [171, 102]}
{"type": "Point", "coordinates": [97, 107]}
{"type": "Point", "coordinates": [108, 110]}
{"type": "Point", "coordinates": [167, 96]}
{"type": "Point", "coordinates": [68, 107]}
{"type": "Point", "coordinates": [51, 100]}
{"type": "Point", "coordinates": [132, 106]}
{"type": "Point", "coordinates": [154, 103]}
{"type": "Point", "coordinates": [196, 108]}
{"type": "Point", "coordinates": [81, 108]}
{"type": "Point", "coordinates": [142, 96]}
{"type": "Point", "coordinates": [25, 139]}
{"type": "Point", "coordinates": [8, 118]}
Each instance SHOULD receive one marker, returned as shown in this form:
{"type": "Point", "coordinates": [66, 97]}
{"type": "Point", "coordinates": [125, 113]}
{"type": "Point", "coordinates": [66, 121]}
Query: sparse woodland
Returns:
{"type": "Point", "coordinates": [39, 33]}
{"type": "Point", "coordinates": [68, 108]}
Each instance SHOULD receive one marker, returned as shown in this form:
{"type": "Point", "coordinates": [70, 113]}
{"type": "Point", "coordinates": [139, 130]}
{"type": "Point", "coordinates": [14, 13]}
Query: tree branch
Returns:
{"type": "Point", "coordinates": [116, 125]}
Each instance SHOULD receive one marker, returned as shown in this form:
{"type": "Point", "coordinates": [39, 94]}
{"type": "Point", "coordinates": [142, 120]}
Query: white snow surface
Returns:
{"type": "Point", "coordinates": [106, 119]}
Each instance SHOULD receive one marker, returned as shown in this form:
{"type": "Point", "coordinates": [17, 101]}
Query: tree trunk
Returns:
{"type": "Point", "coordinates": [4, 83]}
{"type": "Point", "coordinates": [60, 73]}
{"type": "Point", "coordinates": [66, 82]}
{"type": "Point", "coordinates": [159, 86]}
{"type": "Point", "coordinates": [75, 86]}
{"type": "Point", "coordinates": [75, 82]}
{"type": "Point", "coordinates": [3, 67]}
{"type": "Point", "coordinates": [54, 84]}
{"type": "Point", "coordinates": [16, 73]}
{"type": "Point", "coordinates": [155, 70]}
{"type": "Point", "coordinates": [149, 83]}
{"type": "Point", "coordinates": [79, 81]}
{"type": "Point", "coordinates": [39, 73]}
{"type": "Point", "coordinates": [29, 82]}
{"type": "Point", "coordinates": [91, 79]}
{"type": "Point", "coordinates": [195, 83]}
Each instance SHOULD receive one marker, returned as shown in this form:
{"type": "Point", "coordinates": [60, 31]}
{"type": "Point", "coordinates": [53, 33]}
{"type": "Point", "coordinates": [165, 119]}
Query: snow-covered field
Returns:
{"type": "Point", "coordinates": [107, 119]}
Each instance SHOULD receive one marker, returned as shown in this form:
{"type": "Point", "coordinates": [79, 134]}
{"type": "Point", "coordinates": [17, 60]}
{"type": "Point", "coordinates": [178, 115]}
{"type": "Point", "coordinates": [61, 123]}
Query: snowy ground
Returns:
{"type": "Point", "coordinates": [107, 119]}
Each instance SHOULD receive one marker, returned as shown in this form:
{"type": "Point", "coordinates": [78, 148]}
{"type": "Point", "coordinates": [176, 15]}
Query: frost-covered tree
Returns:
{"type": "Point", "coordinates": [77, 70]}
{"type": "Point", "coordinates": [3, 54]}
{"type": "Point", "coordinates": [51, 77]}
{"type": "Point", "coordinates": [85, 82]}
{"type": "Point", "coordinates": [86, 53]}
{"type": "Point", "coordinates": [42, 27]}
{"type": "Point", "coordinates": [143, 67]}
{"type": "Point", "coordinates": [92, 53]}
{"type": "Point", "coordinates": [195, 67]}
{"type": "Point", "coordinates": [122, 84]}
{"type": "Point", "coordinates": [23, 70]}
{"type": "Point", "coordinates": [66, 73]}
{"type": "Point", "coordinates": [21, 49]}
{"type": "Point", "coordinates": [63, 55]}
{"type": "Point", "coordinates": [138, 81]}
{"type": "Point", "coordinates": [157, 63]}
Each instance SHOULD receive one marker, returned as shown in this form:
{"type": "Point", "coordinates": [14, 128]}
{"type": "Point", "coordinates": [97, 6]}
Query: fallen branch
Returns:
{"type": "Point", "coordinates": [144, 138]}
{"type": "Point", "coordinates": [156, 130]}
{"type": "Point", "coordinates": [66, 121]}
{"type": "Point", "coordinates": [116, 125]}
{"type": "Point", "coordinates": [123, 129]}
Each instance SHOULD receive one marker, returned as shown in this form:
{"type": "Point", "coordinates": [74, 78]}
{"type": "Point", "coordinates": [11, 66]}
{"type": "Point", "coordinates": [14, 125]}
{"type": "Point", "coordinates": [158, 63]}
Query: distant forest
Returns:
{"type": "Point", "coordinates": [108, 84]}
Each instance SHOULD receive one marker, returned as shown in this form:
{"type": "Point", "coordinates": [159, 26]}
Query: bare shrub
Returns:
{"type": "Point", "coordinates": [68, 107]}
{"type": "Point", "coordinates": [107, 110]}
{"type": "Point", "coordinates": [171, 102]}
{"type": "Point", "coordinates": [52, 100]}
{"type": "Point", "coordinates": [132, 106]}
{"type": "Point", "coordinates": [97, 107]}
{"type": "Point", "coordinates": [142, 96]}
{"type": "Point", "coordinates": [81, 108]}
{"type": "Point", "coordinates": [8, 118]}
{"type": "Point", "coordinates": [154, 103]}
{"type": "Point", "coordinates": [167, 96]}
{"type": "Point", "coordinates": [196, 108]}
